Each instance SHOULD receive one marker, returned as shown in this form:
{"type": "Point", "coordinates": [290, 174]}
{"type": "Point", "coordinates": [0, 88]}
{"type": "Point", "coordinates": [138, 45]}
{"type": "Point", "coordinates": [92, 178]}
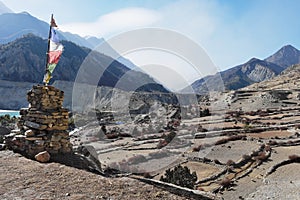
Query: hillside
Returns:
{"type": "Point", "coordinates": [29, 67]}
{"type": "Point", "coordinates": [15, 25]}
{"type": "Point", "coordinates": [286, 80]}
{"type": "Point", "coordinates": [253, 71]}
{"type": "Point", "coordinates": [285, 57]}
{"type": "Point", "coordinates": [57, 181]}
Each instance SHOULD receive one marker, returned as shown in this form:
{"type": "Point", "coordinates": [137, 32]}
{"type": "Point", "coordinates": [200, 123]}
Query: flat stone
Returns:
{"type": "Point", "coordinates": [29, 133]}
{"type": "Point", "coordinates": [34, 138]}
{"type": "Point", "coordinates": [4, 131]}
{"type": "Point", "coordinates": [35, 125]}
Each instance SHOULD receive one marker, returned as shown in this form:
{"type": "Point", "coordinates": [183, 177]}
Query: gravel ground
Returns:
{"type": "Point", "coordinates": [282, 184]}
{"type": "Point", "coordinates": [21, 178]}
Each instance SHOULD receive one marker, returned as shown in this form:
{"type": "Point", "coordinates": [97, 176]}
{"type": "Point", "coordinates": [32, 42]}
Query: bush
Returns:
{"type": "Point", "coordinates": [180, 176]}
{"type": "Point", "coordinates": [226, 182]}
{"type": "Point", "coordinates": [200, 147]}
{"type": "Point", "coordinates": [294, 157]}
{"type": "Point", "coordinates": [167, 138]}
{"type": "Point", "coordinates": [217, 162]}
{"type": "Point", "coordinates": [246, 157]}
{"type": "Point", "coordinates": [272, 142]}
{"type": "Point", "coordinates": [262, 156]}
{"type": "Point", "coordinates": [112, 135]}
{"type": "Point", "coordinates": [230, 163]}
{"type": "Point", "coordinates": [136, 159]}
{"type": "Point", "coordinates": [268, 148]}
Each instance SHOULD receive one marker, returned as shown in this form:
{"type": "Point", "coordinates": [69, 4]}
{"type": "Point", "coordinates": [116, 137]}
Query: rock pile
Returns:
{"type": "Point", "coordinates": [43, 125]}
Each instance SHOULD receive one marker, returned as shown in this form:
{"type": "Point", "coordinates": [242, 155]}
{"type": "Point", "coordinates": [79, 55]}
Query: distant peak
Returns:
{"type": "Point", "coordinates": [253, 60]}
{"type": "Point", "coordinates": [288, 47]}
{"type": "Point", "coordinates": [25, 13]}
{"type": "Point", "coordinates": [285, 57]}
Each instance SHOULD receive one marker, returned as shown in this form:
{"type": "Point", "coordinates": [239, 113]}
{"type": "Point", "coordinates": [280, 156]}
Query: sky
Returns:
{"type": "Point", "coordinates": [230, 31]}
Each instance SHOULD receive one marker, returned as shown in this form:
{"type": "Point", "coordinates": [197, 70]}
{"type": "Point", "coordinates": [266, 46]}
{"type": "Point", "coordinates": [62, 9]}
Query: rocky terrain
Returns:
{"type": "Point", "coordinates": [238, 151]}
{"type": "Point", "coordinates": [22, 178]}
{"type": "Point", "coordinates": [253, 71]}
{"type": "Point", "coordinates": [241, 144]}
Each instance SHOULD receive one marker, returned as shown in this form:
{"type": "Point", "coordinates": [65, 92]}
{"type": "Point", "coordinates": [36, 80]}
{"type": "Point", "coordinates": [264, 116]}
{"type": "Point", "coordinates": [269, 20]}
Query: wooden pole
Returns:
{"type": "Point", "coordinates": [49, 36]}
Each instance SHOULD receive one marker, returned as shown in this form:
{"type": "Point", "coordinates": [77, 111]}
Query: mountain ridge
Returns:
{"type": "Point", "coordinates": [29, 67]}
{"type": "Point", "coordinates": [285, 56]}
{"type": "Point", "coordinates": [253, 71]}
{"type": "Point", "coordinates": [15, 25]}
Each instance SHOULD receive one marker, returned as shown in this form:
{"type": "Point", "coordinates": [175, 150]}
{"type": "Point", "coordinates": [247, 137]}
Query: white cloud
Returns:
{"type": "Point", "coordinates": [114, 22]}
{"type": "Point", "coordinates": [197, 19]}
{"type": "Point", "coordinates": [229, 36]}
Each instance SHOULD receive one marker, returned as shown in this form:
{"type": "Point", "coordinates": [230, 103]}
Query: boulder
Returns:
{"type": "Point", "coordinates": [42, 157]}
{"type": "Point", "coordinates": [4, 131]}
{"type": "Point", "coordinates": [2, 147]}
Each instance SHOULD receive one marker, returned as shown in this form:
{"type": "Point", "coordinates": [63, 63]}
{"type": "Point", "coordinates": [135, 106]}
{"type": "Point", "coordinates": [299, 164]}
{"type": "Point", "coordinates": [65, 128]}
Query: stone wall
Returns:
{"type": "Point", "coordinates": [43, 125]}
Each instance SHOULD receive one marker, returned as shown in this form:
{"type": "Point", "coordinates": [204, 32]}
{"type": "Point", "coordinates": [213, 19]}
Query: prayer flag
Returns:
{"type": "Point", "coordinates": [55, 49]}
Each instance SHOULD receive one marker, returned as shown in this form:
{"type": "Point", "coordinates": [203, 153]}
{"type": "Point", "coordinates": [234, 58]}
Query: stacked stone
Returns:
{"type": "Point", "coordinates": [43, 125]}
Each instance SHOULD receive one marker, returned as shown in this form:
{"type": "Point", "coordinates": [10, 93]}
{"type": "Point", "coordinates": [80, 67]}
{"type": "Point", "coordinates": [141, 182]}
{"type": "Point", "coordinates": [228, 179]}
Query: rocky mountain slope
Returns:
{"type": "Point", "coordinates": [29, 65]}
{"type": "Point", "coordinates": [285, 57]}
{"type": "Point", "coordinates": [18, 75]}
{"type": "Point", "coordinates": [255, 70]}
{"type": "Point", "coordinates": [16, 25]}
{"type": "Point", "coordinates": [286, 80]}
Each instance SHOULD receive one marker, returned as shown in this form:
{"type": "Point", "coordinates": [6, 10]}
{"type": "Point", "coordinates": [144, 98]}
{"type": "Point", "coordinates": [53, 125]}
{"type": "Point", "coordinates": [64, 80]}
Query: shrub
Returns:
{"type": "Point", "coordinates": [136, 159]}
{"type": "Point", "coordinates": [159, 154]}
{"type": "Point", "coordinates": [230, 163]}
{"type": "Point", "coordinates": [268, 148]}
{"type": "Point", "coordinates": [147, 175]}
{"type": "Point", "coordinates": [112, 135]}
{"type": "Point", "coordinates": [180, 176]}
{"type": "Point", "coordinates": [161, 144]}
{"type": "Point", "coordinates": [262, 156]}
{"type": "Point", "coordinates": [217, 162]}
{"type": "Point", "coordinates": [221, 141]}
{"type": "Point", "coordinates": [125, 135]}
{"type": "Point", "coordinates": [246, 157]}
{"type": "Point", "coordinates": [294, 157]}
{"type": "Point", "coordinates": [272, 142]}
{"type": "Point", "coordinates": [226, 182]}
{"type": "Point", "coordinates": [167, 138]}
{"type": "Point", "coordinates": [196, 149]}
{"type": "Point", "coordinates": [201, 146]}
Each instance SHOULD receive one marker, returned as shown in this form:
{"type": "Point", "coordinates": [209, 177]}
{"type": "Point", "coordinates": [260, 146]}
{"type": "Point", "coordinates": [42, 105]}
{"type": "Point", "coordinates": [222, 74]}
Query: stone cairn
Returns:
{"type": "Point", "coordinates": [43, 125]}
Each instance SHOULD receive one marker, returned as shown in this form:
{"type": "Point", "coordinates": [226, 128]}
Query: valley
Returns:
{"type": "Point", "coordinates": [233, 150]}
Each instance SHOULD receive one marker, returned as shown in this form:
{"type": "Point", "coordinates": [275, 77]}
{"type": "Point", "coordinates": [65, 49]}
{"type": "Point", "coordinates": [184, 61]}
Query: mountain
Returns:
{"type": "Point", "coordinates": [253, 71]}
{"type": "Point", "coordinates": [285, 57]}
{"type": "Point", "coordinates": [4, 8]}
{"type": "Point", "coordinates": [15, 25]}
{"type": "Point", "coordinates": [30, 66]}
{"type": "Point", "coordinates": [287, 80]}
